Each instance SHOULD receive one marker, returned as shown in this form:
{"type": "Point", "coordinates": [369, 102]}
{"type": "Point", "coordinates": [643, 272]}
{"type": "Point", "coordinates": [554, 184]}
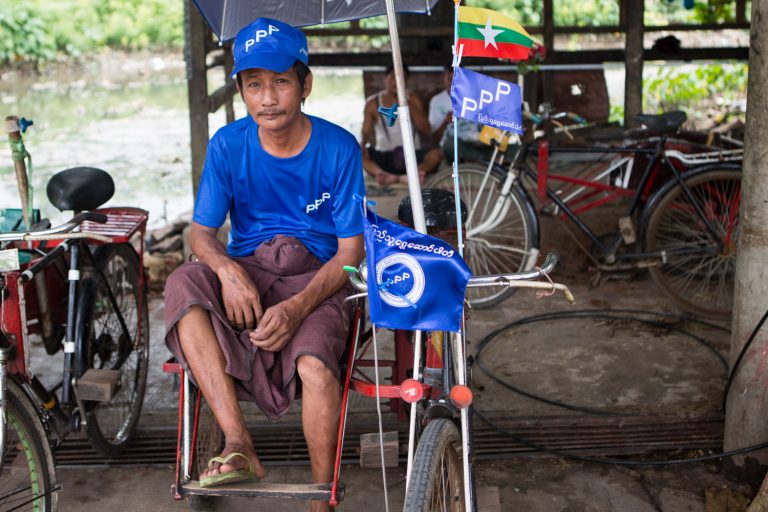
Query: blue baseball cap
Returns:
{"type": "Point", "coordinates": [269, 44]}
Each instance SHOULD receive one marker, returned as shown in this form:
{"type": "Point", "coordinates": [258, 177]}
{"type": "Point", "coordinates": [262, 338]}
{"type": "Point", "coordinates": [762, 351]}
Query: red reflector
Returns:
{"type": "Point", "coordinates": [461, 396]}
{"type": "Point", "coordinates": [411, 390]}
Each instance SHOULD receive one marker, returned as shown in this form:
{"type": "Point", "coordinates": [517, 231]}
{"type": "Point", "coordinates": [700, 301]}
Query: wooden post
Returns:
{"type": "Point", "coordinates": [197, 88]}
{"type": "Point", "coordinates": [747, 402]}
{"type": "Point", "coordinates": [229, 65]}
{"type": "Point", "coordinates": [548, 29]}
{"type": "Point", "coordinates": [633, 12]}
{"type": "Point", "coordinates": [741, 11]}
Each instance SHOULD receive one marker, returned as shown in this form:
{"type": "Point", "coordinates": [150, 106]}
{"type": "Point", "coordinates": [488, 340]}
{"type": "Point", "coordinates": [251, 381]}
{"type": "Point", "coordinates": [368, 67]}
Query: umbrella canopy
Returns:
{"type": "Point", "coordinates": [227, 17]}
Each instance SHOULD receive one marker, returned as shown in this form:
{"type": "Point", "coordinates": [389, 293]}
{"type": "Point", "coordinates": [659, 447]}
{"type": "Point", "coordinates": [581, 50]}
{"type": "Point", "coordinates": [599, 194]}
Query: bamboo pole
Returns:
{"type": "Point", "coordinates": [20, 165]}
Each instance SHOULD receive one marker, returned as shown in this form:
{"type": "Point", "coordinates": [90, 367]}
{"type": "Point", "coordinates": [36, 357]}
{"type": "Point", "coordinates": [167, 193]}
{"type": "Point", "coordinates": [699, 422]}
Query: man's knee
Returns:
{"type": "Point", "coordinates": [188, 274]}
{"type": "Point", "coordinates": [314, 374]}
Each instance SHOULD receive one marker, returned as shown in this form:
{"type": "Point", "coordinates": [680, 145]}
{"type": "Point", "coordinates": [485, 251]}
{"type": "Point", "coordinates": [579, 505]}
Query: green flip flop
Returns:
{"type": "Point", "coordinates": [230, 477]}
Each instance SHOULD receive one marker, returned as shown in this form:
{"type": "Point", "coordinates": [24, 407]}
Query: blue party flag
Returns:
{"type": "Point", "coordinates": [486, 100]}
{"type": "Point", "coordinates": [415, 281]}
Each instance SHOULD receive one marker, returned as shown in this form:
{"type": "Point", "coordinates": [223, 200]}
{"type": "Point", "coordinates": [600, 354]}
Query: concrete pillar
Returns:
{"type": "Point", "coordinates": [746, 421]}
{"type": "Point", "coordinates": [633, 12]}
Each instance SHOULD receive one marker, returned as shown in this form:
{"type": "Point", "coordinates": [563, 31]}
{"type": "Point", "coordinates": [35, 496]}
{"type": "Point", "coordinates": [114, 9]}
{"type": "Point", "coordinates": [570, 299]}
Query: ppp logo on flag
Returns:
{"type": "Point", "coordinates": [415, 281]}
{"type": "Point", "coordinates": [486, 100]}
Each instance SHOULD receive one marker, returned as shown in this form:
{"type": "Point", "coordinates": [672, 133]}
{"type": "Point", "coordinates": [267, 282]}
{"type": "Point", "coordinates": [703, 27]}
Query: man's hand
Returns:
{"type": "Point", "coordinates": [240, 296]}
{"type": "Point", "coordinates": [277, 326]}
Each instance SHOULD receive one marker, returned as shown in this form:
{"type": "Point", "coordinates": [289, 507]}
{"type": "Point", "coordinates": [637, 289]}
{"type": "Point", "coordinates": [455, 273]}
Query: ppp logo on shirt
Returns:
{"type": "Point", "coordinates": [314, 205]}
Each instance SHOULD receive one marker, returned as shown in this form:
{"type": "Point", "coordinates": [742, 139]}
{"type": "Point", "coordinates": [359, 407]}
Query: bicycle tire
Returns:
{"type": "Point", "coordinates": [111, 425]}
{"type": "Point", "coordinates": [28, 477]}
{"type": "Point", "coordinates": [437, 482]}
{"type": "Point", "coordinates": [698, 283]}
{"type": "Point", "coordinates": [208, 444]}
{"type": "Point", "coordinates": [499, 240]}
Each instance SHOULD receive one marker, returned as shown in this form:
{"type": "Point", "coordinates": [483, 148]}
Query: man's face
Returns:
{"type": "Point", "coordinates": [274, 99]}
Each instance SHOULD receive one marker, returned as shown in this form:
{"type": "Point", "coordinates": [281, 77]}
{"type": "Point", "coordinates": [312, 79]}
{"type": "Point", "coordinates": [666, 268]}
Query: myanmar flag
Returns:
{"type": "Point", "coordinates": [486, 33]}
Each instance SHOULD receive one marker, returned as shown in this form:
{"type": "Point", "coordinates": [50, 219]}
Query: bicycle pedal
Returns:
{"type": "Point", "coordinates": [98, 385]}
{"type": "Point", "coordinates": [627, 230]}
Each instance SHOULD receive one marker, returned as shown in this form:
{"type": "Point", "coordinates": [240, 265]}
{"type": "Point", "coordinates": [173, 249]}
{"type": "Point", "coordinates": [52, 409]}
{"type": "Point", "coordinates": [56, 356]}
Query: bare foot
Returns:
{"type": "Point", "coordinates": [384, 178]}
{"type": "Point", "coordinates": [237, 462]}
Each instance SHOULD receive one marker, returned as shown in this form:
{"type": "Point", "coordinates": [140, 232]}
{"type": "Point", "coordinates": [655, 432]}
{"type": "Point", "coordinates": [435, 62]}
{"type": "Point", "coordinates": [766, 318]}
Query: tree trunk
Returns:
{"type": "Point", "coordinates": [747, 403]}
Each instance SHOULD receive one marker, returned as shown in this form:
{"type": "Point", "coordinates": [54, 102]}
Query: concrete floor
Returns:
{"type": "Point", "coordinates": [621, 367]}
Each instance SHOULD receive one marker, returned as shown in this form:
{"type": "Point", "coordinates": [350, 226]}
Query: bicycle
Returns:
{"type": "Point", "coordinates": [80, 286]}
{"type": "Point", "coordinates": [436, 389]}
{"type": "Point", "coordinates": [683, 228]}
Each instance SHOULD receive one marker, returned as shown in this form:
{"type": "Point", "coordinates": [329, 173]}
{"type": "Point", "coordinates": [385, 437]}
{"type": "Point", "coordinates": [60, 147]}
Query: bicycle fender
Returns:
{"type": "Point", "coordinates": [83, 306]}
{"type": "Point", "coordinates": [671, 183]}
{"type": "Point", "coordinates": [533, 216]}
{"type": "Point", "coordinates": [530, 208]}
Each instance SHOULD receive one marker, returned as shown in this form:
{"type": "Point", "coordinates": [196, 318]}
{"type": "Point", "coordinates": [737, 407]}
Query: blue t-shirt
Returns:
{"type": "Point", "coordinates": [308, 196]}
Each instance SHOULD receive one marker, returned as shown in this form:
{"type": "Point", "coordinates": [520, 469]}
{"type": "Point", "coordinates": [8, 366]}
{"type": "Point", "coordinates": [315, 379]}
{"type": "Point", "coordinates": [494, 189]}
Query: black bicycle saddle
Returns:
{"type": "Point", "coordinates": [668, 122]}
{"type": "Point", "coordinates": [439, 209]}
{"type": "Point", "coordinates": [80, 188]}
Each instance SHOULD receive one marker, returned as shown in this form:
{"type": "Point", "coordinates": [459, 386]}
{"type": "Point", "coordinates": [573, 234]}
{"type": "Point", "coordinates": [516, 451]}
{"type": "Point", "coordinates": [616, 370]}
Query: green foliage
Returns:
{"type": "Point", "coordinates": [674, 89]}
{"type": "Point", "coordinates": [525, 12]}
{"type": "Point", "coordinates": [42, 28]}
{"type": "Point", "coordinates": [23, 37]}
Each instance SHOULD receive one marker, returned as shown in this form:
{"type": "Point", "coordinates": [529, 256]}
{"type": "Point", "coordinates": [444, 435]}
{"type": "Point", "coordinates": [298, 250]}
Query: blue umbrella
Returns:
{"type": "Point", "coordinates": [227, 17]}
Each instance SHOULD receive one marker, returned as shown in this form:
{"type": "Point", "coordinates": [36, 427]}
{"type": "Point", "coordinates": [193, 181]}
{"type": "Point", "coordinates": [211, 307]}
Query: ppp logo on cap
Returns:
{"type": "Point", "coordinates": [260, 33]}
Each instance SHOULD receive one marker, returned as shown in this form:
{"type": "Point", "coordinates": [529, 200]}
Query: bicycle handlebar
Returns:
{"type": "Point", "coordinates": [517, 279]}
{"type": "Point", "coordinates": [63, 228]}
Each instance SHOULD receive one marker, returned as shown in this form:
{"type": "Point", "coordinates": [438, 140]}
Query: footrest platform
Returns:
{"type": "Point", "coordinates": [264, 490]}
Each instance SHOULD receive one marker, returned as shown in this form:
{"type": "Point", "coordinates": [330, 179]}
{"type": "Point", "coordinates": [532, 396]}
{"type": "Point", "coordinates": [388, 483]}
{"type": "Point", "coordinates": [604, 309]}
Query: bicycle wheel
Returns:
{"type": "Point", "coordinates": [209, 442]}
{"type": "Point", "coordinates": [105, 345]}
{"type": "Point", "coordinates": [698, 273]}
{"type": "Point", "coordinates": [28, 477]}
{"type": "Point", "coordinates": [501, 228]}
{"type": "Point", "coordinates": [437, 484]}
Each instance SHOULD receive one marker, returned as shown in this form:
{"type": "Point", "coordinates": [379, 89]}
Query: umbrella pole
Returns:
{"type": "Point", "coordinates": [414, 189]}
{"type": "Point", "coordinates": [404, 118]}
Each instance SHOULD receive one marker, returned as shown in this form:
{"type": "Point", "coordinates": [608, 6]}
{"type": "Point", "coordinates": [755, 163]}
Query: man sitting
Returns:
{"type": "Point", "coordinates": [249, 322]}
{"type": "Point", "coordinates": [383, 156]}
{"type": "Point", "coordinates": [441, 123]}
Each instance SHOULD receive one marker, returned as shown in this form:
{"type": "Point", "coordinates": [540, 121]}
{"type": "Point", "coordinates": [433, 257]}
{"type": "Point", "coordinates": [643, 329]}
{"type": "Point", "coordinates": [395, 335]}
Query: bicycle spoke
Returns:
{"type": "Point", "coordinates": [698, 278]}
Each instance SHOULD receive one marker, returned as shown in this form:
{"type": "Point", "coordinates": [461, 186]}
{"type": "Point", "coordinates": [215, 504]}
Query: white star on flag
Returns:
{"type": "Point", "coordinates": [489, 33]}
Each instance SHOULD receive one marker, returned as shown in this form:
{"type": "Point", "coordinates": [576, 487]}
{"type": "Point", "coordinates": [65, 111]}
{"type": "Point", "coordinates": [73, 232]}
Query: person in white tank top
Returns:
{"type": "Point", "coordinates": [383, 145]}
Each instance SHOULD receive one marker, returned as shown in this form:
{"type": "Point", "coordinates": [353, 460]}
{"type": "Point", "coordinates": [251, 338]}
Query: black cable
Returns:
{"type": "Point", "coordinates": [609, 314]}
{"type": "Point", "coordinates": [744, 349]}
{"type": "Point", "coordinates": [617, 462]}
